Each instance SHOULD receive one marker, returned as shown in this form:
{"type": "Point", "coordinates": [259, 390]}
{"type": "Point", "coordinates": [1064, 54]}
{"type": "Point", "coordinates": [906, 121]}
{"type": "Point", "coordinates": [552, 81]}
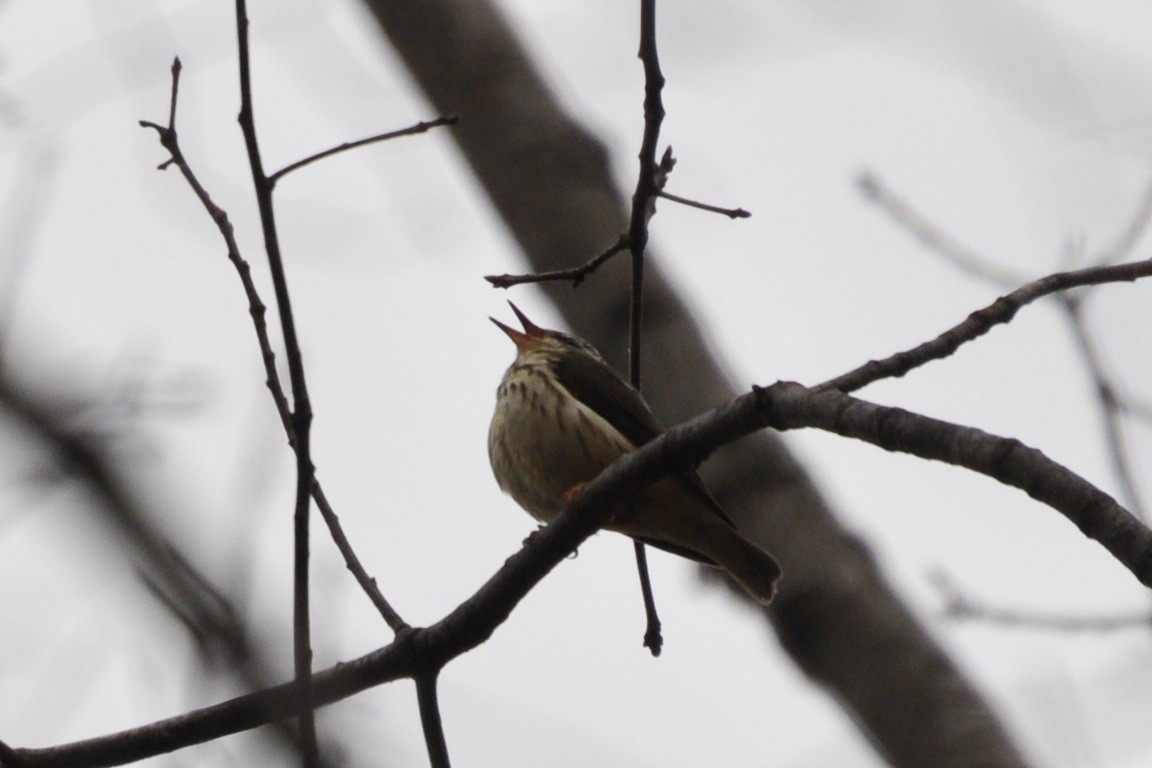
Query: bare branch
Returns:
{"type": "Point", "coordinates": [1111, 406]}
{"type": "Point", "coordinates": [650, 181]}
{"type": "Point", "coordinates": [960, 607]}
{"type": "Point", "coordinates": [1111, 409]}
{"type": "Point", "coordinates": [933, 237]}
{"type": "Point", "coordinates": [781, 406]}
{"type": "Point", "coordinates": [983, 320]}
{"type": "Point", "coordinates": [1122, 247]}
{"type": "Point", "coordinates": [1094, 512]}
{"type": "Point", "coordinates": [256, 308]}
{"type": "Point", "coordinates": [421, 127]}
{"type": "Point", "coordinates": [732, 213]}
{"type": "Point", "coordinates": [301, 404]}
{"type": "Point", "coordinates": [352, 562]}
{"type": "Point", "coordinates": [576, 274]}
{"type": "Point", "coordinates": [429, 704]}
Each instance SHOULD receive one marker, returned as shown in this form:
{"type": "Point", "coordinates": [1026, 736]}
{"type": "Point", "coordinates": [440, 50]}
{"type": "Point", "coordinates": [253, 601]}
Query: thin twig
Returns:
{"type": "Point", "coordinates": [421, 127]}
{"type": "Point", "coordinates": [1122, 247]}
{"type": "Point", "coordinates": [960, 607]}
{"type": "Point", "coordinates": [650, 183]}
{"type": "Point", "coordinates": [983, 320]}
{"type": "Point", "coordinates": [576, 274]}
{"type": "Point", "coordinates": [352, 562]}
{"type": "Point", "coordinates": [257, 310]}
{"type": "Point", "coordinates": [782, 406]}
{"type": "Point", "coordinates": [1110, 404]}
{"type": "Point", "coordinates": [429, 704]}
{"type": "Point", "coordinates": [934, 238]}
{"type": "Point", "coordinates": [732, 213]}
{"type": "Point", "coordinates": [643, 206]}
{"type": "Point", "coordinates": [301, 404]}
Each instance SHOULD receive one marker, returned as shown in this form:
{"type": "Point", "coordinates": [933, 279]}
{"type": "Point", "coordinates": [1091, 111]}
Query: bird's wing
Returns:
{"type": "Point", "coordinates": [596, 385]}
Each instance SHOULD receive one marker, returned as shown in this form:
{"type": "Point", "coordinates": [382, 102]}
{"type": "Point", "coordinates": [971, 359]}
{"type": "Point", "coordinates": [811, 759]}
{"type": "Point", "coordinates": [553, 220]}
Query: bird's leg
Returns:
{"type": "Point", "coordinates": [569, 496]}
{"type": "Point", "coordinates": [532, 536]}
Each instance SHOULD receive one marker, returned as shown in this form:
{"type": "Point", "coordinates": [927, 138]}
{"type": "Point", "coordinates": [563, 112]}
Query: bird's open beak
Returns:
{"type": "Point", "coordinates": [530, 328]}
{"type": "Point", "coordinates": [523, 341]}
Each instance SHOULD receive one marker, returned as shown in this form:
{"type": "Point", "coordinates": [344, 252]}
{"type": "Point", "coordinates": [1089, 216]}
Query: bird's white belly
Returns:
{"type": "Point", "coordinates": [543, 442]}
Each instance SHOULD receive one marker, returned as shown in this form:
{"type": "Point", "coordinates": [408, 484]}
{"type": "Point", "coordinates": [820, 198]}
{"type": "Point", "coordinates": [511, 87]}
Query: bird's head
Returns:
{"type": "Point", "coordinates": [540, 344]}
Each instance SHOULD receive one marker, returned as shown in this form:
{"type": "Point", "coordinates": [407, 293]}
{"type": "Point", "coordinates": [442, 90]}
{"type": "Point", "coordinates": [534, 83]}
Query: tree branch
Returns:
{"type": "Point", "coordinates": [649, 181]}
{"type": "Point", "coordinates": [732, 213]}
{"type": "Point", "coordinates": [421, 127]}
{"type": "Point", "coordinates": [575, 274]}
{"type": "Point", "coordinates": [256, 308]}
{"type": "Point", "coordinates": [960, 607]}
{"type": "Point", "coordinates": [1111, 406]}
{"type": "Point", "coordinates": [933, 237]}
{"type": "Point", "coordinates": [301, 403]}
{"type": "Point", "coordinates": [428, 701]}
{"type": "Point", "coordinates": [983, 320]}
{"type": "Point", "coordinates": [781, 406]}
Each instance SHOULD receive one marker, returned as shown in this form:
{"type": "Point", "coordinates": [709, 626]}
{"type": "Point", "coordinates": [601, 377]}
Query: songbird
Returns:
{"type": "Point", "coordinates": [563, 415]}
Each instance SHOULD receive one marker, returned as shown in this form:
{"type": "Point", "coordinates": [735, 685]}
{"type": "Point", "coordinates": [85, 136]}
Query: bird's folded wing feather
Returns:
{"type": "Point", "coordinates": [596, 385]}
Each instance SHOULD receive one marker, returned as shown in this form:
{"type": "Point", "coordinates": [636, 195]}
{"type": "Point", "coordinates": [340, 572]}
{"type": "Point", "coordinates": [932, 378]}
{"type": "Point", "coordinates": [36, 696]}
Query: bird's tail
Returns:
{"type": "Point", "coordinates": [691, 525]}
{"type": "Point", "coordinates": [752, 568]}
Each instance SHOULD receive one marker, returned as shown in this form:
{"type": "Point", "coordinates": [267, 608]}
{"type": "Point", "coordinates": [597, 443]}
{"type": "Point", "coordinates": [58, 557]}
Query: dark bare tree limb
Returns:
{"type": "Point", "coordinates": [650, 180]}
{"type": "Point", "coordinates": [782, 406]}
{"type": "Point", "coordinates": [428, 700]}
{"type": "Point", "coordinates": [301, 404]}
{"type": "Point", "coordinates": [1112, 407]}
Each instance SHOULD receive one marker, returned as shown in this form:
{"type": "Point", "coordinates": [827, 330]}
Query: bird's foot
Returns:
{"type": "Point", "coordinates": [532, 536]}
{"type": "Point", "coordinates": [536, 533]}
{"type": "Point", "coordinates": [569, 496]}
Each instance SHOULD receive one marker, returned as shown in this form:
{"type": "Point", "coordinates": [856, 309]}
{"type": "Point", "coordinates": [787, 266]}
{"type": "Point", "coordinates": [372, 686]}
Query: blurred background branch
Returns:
{"type": "Point", "coordinates": [87, 443]}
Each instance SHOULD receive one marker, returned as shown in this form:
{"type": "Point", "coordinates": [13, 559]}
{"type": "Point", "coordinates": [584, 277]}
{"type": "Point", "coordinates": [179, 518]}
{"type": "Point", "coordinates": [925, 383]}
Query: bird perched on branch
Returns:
{"type": "Point", "coordinates": [563, 415]}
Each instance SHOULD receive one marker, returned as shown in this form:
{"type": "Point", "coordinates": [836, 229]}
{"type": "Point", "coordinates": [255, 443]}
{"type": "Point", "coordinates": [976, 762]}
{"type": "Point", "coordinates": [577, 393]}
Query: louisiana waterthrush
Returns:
{"type": "Point", "coordinates": [563, 415]}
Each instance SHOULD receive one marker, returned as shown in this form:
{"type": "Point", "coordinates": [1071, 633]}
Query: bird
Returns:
{"type": "Point", "coordinates": [563, 414]}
